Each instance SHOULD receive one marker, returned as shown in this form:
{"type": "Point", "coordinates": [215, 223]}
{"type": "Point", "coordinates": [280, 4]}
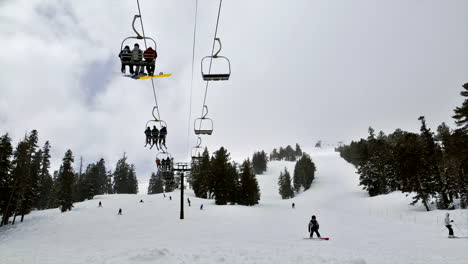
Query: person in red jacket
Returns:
{"type": "Point", "coordinates": [150, 56]}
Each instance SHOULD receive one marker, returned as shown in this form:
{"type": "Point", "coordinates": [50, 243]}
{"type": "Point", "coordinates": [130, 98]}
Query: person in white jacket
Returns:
{"type": "Point", "coordinates": [448, 225]}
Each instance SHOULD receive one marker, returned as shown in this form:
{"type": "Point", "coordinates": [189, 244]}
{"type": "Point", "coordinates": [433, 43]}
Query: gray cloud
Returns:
{"type": "Point", "coordinates": [302, 71]}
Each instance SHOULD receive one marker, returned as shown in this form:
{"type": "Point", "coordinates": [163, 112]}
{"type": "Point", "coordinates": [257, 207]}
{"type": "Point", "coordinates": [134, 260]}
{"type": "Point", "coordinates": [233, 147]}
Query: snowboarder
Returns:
{"type": "Point", "coordinates": [313, 227]}
{"type": "Point", "coordinates": [120, 211]}
{"type": "Point", "coordinates": [448, 225]}
{"type": "Point", "coordinates": [188, 200]}
{"type": "Point", "coordinates": [201, 207]}
{"type": "Point", "coordinates": [100, 204]}
{"type": "Point", "coordinates": [148, 136]}
{"type": "Point", "coordinates": [293, 205]}
{"type": "Point", "coordinates": [155, 136]}
{"type": "Point", "coordinates": [141, 201]}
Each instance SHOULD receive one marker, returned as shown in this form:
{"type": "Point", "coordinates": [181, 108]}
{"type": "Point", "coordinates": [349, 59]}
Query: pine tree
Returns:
{"type": "Point", "coordinates": [121, 176]}
{"type": "Point", "coordinates": [461, 113]}
{"type": "Point", "coordinates": [6, 178]}
{"type": "Point", "coordinates": [201, 176]}
{"type": "Point", "coordinates": [45, 181]}
{"type": "Point", "coordinates": [249, 193]}
{"type": "Point", "coordinates": [298, 151]}
{"type": "Point", "coordinates": [221, 183]}
{"type": "Point", "coordinates": [66, 182]}
{"type": "Point", "coordinates": [284, 182]}
{"type": "Point", "coordinates": [304, 172]}
{"type": "Point", "coordinates": [156, 184]}
{"type": "Point", "coordinates": [259, 162]}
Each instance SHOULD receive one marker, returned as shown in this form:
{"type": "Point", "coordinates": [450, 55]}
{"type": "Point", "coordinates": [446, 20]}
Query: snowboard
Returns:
{"type": "Point", "coordinates": [316, 238]}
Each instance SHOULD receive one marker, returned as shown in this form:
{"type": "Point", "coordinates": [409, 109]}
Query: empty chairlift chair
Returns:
{"type": "Point", "coordinates": [216, 68]}
{"type": "Point", "coordinates": [203, 125]}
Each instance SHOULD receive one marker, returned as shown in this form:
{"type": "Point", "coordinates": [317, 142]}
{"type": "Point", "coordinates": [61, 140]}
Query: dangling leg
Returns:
{"type": "Point", "coordinates": [131, 69]}
{"type": "Point", "coordinates": [123, 69]}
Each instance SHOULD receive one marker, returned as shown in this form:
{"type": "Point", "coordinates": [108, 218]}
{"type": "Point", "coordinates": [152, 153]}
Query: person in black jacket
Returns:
{"type": "Point", "coordinates": [313, 227]}
{"type": "Point", "coordinates": [125, 56]}
{"type": "Point", "coordinates": [148, 136]}
{"type": "Point", "coordinates": [155, 136]}
{"type": "Point", "coordinates": [162, 137]}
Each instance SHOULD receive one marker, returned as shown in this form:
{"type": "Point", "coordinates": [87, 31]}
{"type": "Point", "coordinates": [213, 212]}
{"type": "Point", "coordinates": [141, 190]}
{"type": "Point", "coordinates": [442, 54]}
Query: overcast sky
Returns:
{"type": "Point", "coordinates": [301, 71]}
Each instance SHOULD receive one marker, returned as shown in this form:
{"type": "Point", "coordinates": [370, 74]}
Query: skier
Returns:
{"type": "Point", "coordinates": [170, 198]}
{"type": "Point", "coordinates": [141, 201]}
{"type": "Point", "coordinates": [120, 211]}
{"type": "Point", "coordinates": [100, 204]}
{"type": "Point", "coordinates": [136, 57]}
{"type": "Point", "coordinates": [201, 207]}
{"type": "Point", "coordinates": [448, 225]}
{"type": "Point", "coordinates": [148, 136]}
{"type": "Point", "coordinates": [188, 200]}
{"type": "Point", "coordinates": [164, 195]}
{"type": "Point", "coordinates": [155, 135]}
{"type": "Point", "coordinates": [293, 205]}
{"type": "Point", "coordinates": [162, 137]}
{"type": "Point", "coordinates": [313, 227]}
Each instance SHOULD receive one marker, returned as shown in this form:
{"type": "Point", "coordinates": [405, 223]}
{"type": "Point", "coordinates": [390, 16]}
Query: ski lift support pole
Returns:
{"type": "Point", "coordinates": [182, 167]}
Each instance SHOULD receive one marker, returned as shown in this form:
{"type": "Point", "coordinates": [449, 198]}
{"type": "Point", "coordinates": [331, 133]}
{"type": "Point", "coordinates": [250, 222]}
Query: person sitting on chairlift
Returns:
{"type": "Point", "coordinates": [150, 56]}
{"type": "Point", "coordinates": [158, 163]}
{"type": "Point", "coordinates": [162, 137]}
{"type": "Point", "coordinates": [148, 136]}
{"type": "Point", "coordinates": [168, 163]}
{"type": "Point", "coordinates": [155, 135]}
{"type": "Point", "coordinates": [125, 56]}
{"type": "Point", "coordinates": [136, 57]}
{"type": "Point", "coordinates": [163, 164]}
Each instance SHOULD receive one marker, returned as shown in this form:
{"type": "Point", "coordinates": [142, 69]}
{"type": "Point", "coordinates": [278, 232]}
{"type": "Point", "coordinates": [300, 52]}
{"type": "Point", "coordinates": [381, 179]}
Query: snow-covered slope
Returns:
{"type": "Point", "coordinates": [362, 229]}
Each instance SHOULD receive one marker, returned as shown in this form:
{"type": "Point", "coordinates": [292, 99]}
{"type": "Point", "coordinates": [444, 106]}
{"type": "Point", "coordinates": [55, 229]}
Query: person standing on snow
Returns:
{"type": "Point", "coordinates": [313, 227]}
{"type": "Point", "coordinates": [448, 225]}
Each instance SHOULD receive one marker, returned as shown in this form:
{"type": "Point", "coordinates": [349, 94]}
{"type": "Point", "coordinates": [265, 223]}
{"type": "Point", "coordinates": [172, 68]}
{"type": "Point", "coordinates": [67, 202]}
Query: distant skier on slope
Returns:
{"type": "Point", "coordinates": [448, 225]}
{"type": "Point", "coordinates": [313, 227]}
{"type": "Point", "coordinates": [100, 204]}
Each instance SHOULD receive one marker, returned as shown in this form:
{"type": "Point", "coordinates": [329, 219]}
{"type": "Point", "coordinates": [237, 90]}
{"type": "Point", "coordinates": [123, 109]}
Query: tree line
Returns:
{"type": "Point", "coordinates": [217, 177]}
{"type": "Point", "coordinates": [288, 153]}
{"type": "Point", "coordinates": [431, 165]}
{"type": "Point", "coordinates": [304, 174]}
{"type": "Point", "coordinates": [26, 183]}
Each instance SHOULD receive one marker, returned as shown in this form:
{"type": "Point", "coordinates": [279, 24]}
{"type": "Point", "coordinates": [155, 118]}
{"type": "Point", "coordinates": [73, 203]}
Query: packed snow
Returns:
{"type": "Point", "coordinates": [383, 229]}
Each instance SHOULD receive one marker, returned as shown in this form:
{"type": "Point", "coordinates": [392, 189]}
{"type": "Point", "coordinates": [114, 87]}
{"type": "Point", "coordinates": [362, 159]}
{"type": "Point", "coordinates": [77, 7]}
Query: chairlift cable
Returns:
{"type": "Point", "coordinates": [146, 47]}
{"type": "Point", "coordinates": [211, 60]}
{"type": "Point", "coordinates": [191, 82]}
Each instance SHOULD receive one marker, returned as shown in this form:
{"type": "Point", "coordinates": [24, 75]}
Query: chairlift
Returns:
{"type": "Point", "coordinates": [214, 72]}
{"type": "Point", "coordinates": [203, 125]}
{"type": "Point", "coordinates": [197, 151]}
{"type": "Point", "coordinates": [126, 58]}
{"type": "Point", "coordinates": [156, 122]}
{"type": "Point", "coordinates": [164, 161]}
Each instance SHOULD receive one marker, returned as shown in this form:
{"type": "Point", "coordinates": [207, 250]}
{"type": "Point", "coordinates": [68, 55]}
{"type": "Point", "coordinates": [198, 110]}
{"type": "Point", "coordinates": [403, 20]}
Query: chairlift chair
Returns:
{"type": "Point", "coordinates": [155, 121]}
{"type": "Point", "coordinates": [216, 61]}
{"type": "Point", "coordinates": [128, 56]}
{"type": "Point", "coordinates": [203, 125]}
